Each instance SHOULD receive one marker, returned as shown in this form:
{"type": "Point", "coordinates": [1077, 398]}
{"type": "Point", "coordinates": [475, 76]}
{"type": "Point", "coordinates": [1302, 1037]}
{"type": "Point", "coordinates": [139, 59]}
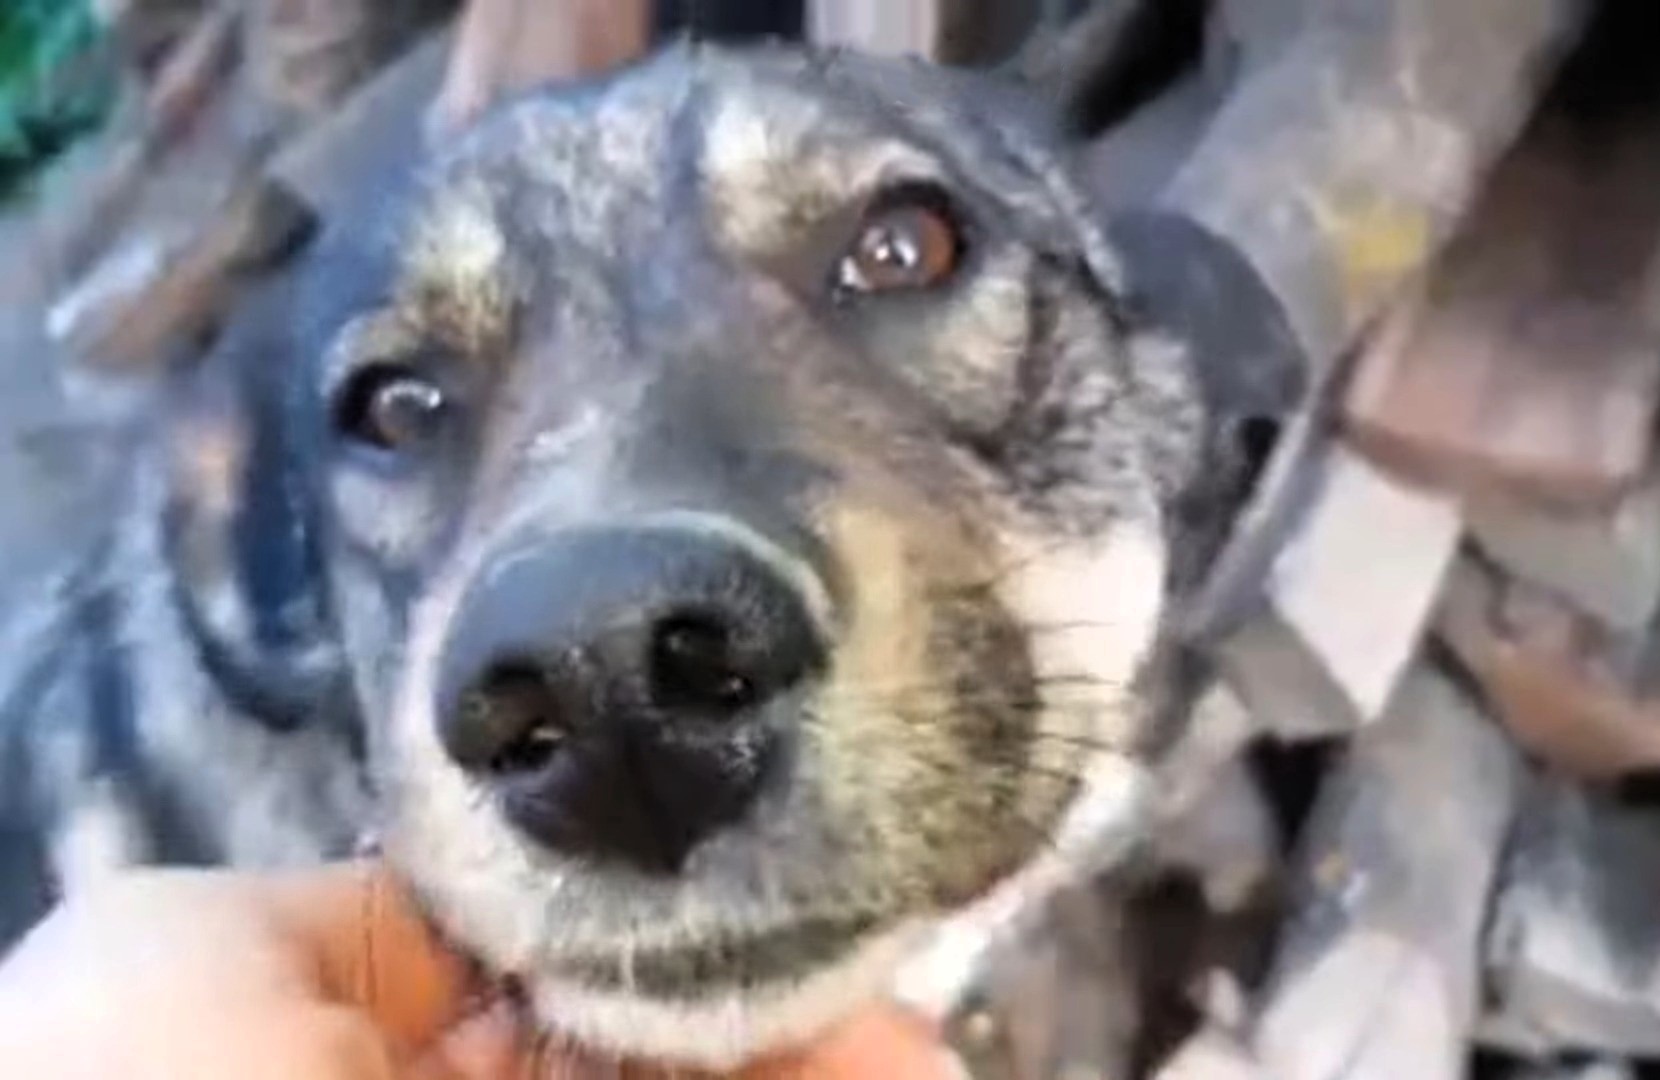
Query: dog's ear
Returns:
{"type": "Point", "coordinates": [1110, 68]}
{"type": "Point", "coordinates": [1123, 77]}
{"type": "Point", "coordinates": [240, 526]}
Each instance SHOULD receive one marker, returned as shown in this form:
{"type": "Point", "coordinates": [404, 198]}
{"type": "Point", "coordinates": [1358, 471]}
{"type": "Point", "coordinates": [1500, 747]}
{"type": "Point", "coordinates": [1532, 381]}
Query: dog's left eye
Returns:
{"type": "Point", "coordinates": [390, 408]}
{"type": "Point", "coordinates": [911, 242]}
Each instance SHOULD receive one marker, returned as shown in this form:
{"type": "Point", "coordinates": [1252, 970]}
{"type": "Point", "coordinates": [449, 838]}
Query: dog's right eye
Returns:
{"type": "Point", "coordinates": [911, 239]}
{"type": "Point", "coordinates": [389, 407]}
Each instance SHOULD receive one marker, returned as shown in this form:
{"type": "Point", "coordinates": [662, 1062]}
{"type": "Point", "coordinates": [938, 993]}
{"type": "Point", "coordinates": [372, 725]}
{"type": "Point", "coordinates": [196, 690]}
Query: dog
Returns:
{"type": "Point", "coordinates": [708, 527]}
{"type": "Point", "coordinates": [170, 696]}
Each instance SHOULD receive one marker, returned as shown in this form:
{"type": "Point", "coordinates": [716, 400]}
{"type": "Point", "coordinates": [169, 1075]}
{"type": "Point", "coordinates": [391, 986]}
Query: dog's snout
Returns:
{"type": "Point", "coordinates": [619, 689]}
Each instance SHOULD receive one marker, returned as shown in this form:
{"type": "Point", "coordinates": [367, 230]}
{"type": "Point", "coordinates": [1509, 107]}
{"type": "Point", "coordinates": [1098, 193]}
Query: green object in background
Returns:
{"type": "Point", "coordinates": [53, 89]}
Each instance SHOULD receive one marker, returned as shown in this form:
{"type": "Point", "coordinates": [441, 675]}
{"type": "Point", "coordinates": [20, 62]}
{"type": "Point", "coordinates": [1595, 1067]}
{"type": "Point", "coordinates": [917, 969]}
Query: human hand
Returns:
{"type": "Point", "coordinates": [326, 975]}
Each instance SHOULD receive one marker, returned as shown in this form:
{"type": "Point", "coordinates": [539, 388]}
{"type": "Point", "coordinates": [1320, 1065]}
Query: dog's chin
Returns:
{"type": "Point", "coordinates": [626, 968]}
{"type": "Point", "coordinates": [718, 1029]}
{"type": "Point", "coordinates": [721, 1008]}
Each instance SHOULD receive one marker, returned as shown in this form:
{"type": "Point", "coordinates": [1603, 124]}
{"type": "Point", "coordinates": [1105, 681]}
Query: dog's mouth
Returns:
{"type": "Point", "coordinates": [741, 963]}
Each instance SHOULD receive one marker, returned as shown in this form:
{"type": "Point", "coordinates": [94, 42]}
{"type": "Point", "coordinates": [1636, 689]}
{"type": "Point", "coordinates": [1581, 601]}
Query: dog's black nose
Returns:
{"type": "Point", "coordinates": [615, 687]}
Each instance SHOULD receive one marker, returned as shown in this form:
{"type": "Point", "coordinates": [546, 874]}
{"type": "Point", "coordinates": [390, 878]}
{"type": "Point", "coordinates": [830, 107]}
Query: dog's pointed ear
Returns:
{"type": "Point", "coordinates": [1123, 75]}
{"type": "Point", "coordinates": [240, 530]}
{"type": "Point", "coordinates": [1101, 67]}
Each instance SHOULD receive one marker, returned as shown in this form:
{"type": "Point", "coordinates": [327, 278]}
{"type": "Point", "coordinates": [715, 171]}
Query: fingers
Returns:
{"type": "Point", "coordinates": [489, 1046]}
{"type": "Point", "coordinates": [885, 1043]}
{"type": "Point", "coordinates": [373, 951]}
{"type": "Point", "coordinates": [377, 953]}
{"type": "Point", "coordinates": [347, 941]}
{"type": "Point", "coordinates": [881, 1043]}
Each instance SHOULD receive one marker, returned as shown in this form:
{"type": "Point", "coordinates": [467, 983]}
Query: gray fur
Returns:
{"type": "Point", "coordinates": [626, 286]}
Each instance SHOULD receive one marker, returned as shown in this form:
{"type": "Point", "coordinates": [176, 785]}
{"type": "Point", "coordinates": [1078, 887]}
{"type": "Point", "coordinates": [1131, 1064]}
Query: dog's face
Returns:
{"type": "Point", "coordinates": [745, 520]}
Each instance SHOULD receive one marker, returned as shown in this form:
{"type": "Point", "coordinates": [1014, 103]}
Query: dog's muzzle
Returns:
{"type": "Point", "coordinates": [623, 691]}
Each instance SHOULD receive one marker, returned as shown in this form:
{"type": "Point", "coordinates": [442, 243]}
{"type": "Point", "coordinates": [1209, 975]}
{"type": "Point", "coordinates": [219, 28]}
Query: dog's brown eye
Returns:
{"type": "Point", "coordinates": [908, 245]}
{"type": "Point", "coordinates": [390, 408]}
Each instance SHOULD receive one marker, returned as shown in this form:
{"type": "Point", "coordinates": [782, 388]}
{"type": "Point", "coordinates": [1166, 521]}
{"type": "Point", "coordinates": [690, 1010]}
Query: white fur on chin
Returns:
{"type": "Point", "coordinates": [725, 1031]}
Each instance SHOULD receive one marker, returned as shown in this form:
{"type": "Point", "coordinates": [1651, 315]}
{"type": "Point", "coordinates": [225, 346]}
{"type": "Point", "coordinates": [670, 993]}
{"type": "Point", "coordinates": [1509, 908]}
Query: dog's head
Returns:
{"type": "Point", "coordinates": [746, 518]}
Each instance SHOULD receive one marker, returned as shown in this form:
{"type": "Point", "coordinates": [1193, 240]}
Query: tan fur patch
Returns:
{"type": "Point", "coordinates": [774, 166]}
{"type": "Point", "coordinates": [881, 661]}
{"type": "Point", "coordinates": [457, 275]}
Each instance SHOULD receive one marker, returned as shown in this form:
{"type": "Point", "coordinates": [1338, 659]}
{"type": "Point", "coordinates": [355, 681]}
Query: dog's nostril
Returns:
{"type": "Point", "coordinates": [516, 720]}
{"type": "Point", "coordinates": [530, 752]}
{"type": "Point", "coordinates": [621, 693]}
{"type": "Point", "coordinates": [695, 666]}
